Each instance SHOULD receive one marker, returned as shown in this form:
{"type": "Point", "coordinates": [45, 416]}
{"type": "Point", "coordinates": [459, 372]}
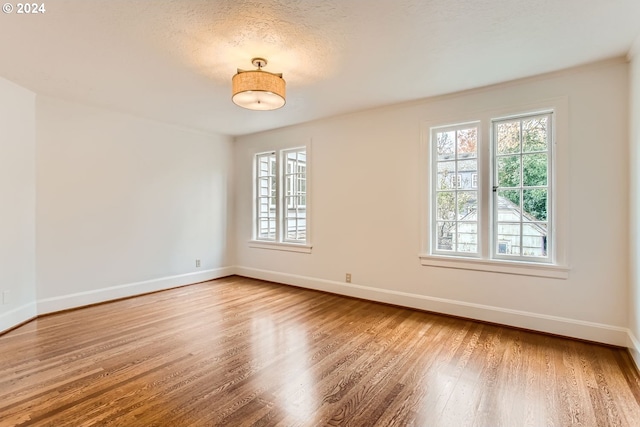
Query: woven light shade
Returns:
{"type": "Point", "coordinates": [258, 90]}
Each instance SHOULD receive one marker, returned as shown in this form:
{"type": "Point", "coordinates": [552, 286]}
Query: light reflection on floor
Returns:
{"type": "Point", "coordinates": [296, 388]}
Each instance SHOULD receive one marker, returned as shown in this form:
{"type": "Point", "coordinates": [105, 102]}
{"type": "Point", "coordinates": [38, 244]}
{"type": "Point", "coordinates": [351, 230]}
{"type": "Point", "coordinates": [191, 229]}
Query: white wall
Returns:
{"type": "Point", "coordinates": [126, 205]}
{"type": "Point", "coordinates": [17, 204]}
{"type": "Point", "coordinates": [634, 223]}
{"type": "Point", "coordinates": [366, 210]}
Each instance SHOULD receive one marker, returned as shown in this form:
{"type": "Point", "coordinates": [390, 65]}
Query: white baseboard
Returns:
{"type": "Point", "coordinates": [64, 302]}
{"type": "Point", "coordinates": [591, 331]}
{"type": "Point", "coordinates": [580, 329]}
{"type": "Point", "coordinates": [17, 316]}
{"type": "Point", "coordinates": [634, 349]}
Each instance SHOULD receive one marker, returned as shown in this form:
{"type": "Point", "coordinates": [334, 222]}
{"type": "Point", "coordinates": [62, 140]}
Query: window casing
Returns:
{"type": "Point", "coordinates": [281, 199]}
{"type": "Point", "coordinates": [517, 156]}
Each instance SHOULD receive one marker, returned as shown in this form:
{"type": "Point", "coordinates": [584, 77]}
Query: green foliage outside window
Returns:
{"type": "Point", "coordinates": [527, 167]}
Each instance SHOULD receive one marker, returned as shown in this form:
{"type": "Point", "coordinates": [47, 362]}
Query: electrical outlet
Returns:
{"type": "Point", "coordinates": [348, 278]}
{"type": "Point", "coordinates": [5, 297]}
{"type": "Point", "coordinates": [197, 263]}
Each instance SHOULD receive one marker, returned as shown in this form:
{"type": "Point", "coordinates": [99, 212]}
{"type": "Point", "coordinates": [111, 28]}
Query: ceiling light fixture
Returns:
{"type": "Point", "coordinates": [257, 89]}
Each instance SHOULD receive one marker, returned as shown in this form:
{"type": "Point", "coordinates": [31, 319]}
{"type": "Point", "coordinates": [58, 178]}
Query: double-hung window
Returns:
{"type": "Point", "coordinates": [281, 200]}
{"type": "Point", "coordinates": [491, 195]}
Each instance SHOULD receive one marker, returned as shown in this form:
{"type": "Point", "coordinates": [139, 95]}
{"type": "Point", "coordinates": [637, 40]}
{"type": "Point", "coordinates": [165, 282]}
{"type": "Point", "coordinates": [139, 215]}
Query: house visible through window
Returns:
{"type": "Point", "coordinates": [281, 196]}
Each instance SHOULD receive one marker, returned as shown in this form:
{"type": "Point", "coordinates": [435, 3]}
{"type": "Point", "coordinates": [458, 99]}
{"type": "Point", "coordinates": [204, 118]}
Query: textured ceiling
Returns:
{"type": "Point", "coordinates": [172, 60]}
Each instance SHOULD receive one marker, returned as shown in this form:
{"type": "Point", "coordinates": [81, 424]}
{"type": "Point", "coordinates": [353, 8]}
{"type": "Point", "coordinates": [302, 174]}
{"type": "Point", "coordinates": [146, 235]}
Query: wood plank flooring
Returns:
{"type": "Point", "coordinates": [242, 352]}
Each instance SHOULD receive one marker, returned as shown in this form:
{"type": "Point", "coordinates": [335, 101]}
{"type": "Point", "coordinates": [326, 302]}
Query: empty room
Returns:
{"type": "Point", "coordinates": [320, 213]}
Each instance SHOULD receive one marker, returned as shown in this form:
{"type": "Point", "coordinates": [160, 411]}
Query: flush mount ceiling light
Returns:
{"type": "Point", "coordinates": [257, 89]}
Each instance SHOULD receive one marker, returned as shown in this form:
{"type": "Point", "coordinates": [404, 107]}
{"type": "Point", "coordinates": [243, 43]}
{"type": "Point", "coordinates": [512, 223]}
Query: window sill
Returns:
{"type": "Point", "coordinates": [279, 246]}
{"type": "Point", "coordinates": [497, 266]}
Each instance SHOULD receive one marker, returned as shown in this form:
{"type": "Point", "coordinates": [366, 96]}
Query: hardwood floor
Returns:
{"type": "Point", "coordinates": [242, 352]}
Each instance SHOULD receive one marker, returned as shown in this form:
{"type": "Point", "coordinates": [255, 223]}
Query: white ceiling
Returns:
{"type": "Point", "coordinates": [172, 60]}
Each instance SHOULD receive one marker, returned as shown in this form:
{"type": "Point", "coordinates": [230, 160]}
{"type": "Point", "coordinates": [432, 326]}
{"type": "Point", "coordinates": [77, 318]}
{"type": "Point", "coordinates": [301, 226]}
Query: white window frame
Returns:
{"type": "Point", "coordinates": [557, 266]}
{"type": "Point", "coordinates": [455, 187]}
{"type": "Point", "coordinates": [270, 200]}
{"type": "Point", "coordinates": [280, 241]}
{"type": "Point", "coordinates": [291, 179]}
{"type": "Point", "coordinates": [495, 253]}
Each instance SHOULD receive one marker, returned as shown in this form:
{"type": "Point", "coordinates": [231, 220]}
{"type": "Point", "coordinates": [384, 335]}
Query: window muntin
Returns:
{"type": "Point", "coordinates": [521, 191]}
{"type": "Point", "coordinates": [455, 205]}
{"type": "Point", "coordinates": [281, 196]}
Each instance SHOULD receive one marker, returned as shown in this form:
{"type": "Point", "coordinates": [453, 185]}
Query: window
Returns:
{"type": "Point", "coordinates": [266, 196]}
{"type": "Point", "coordinates": [491, 193]}
{"type": "Point", "coordinates": [456, 201]}
{"type": "Point", "coordinates": [295, 197]}
{"type": "Point", "coordinates": [281, 199]}
{"type": "Point", "coordinates": [521, 190]}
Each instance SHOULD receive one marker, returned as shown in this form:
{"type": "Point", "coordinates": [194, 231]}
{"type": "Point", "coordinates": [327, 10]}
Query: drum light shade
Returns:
{"type": "Point", "coordinates": [257, 89]}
